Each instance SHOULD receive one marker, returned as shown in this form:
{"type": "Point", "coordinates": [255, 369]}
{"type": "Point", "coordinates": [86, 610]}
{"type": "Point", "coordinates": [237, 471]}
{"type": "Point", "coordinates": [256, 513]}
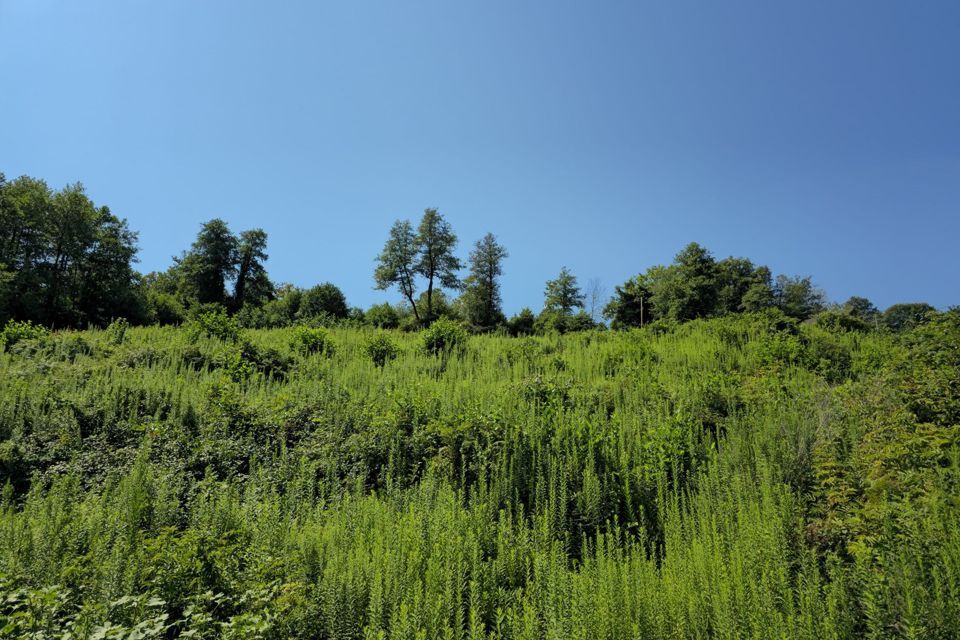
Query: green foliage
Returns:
{"type": "Point", "coordinates": [743, 476]}
{"type": "Point", "coordinates": [697, 285]}
{"type": "Point", "coordinates": [15, 331]}
{"type": "Point", "coordinates": [901, 317]}
{"type": "Point", "coordinates": [798, 297]}
{"type": "Point", "coordinates": [630, 305]}
{"type": "Point", "coordinates": [252, 286]}
{"type": "Point", "coordinates": [835, 320]}
{"type": "Point", "coordinates": [481, 295]}
{"type": "Point", "coordinates": [522, 324]}
{"type": "Point", "coordinates": [63, 260]}
{"type": "Point", "coordinates": [307, 340]}
{"type": "Point", "coordinates": [397, 263]}
{"type": "Point", "coordinates": [214, 324]}
{"type": "Point", "coordinates": [381, 349]}
{"type": "Point", "coordinates": [444, 336]}
{"type": "Point", "coordinates": [323, 300]}
{"type": "Point", "coordinates": [383, 316]}
{"type": "Point", "coordinates": [562, 295]}
{"type": "Point", "coordinates": [117, 331]}
{"type": "Point", "coordinates": [203, 271]}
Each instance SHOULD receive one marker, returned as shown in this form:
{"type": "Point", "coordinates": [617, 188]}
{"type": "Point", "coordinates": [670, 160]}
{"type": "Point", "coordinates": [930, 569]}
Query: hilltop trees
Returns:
{"type": "Point", "coordinates": [252, 285]}
{"type": "Point", "coordinates": [427, 253]}
{"type": "Point", "coordinates": [698, 286]}
{"type": "Point", "coordinates": [901, 317]}
{"type": "Point", "coordinates": [481, 296]}
{"type": "Point", "coordinates": [798, 297]}
{"type": "Point", "coordinates": [630, 305]}
{"type": "Point", "coordinates": [563, 295]}
{"type": "Point", "coordinates": [209, 263]}
{"type": "Point", "coordinates": [216, 259]}
{"type": "Point", "coordinates": [397, 263]}
{"type": "Point", "coordinates": [63, 260]}
{"type": "Point", "coordinates": [560, 297]}
{"type": "Point", "coordinates": [435, 244]}
{"type": "Point", "coordinates": [323, 300]}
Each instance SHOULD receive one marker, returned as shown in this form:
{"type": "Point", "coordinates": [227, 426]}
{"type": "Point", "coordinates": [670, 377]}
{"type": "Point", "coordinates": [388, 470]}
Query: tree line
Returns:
{"type": "Point", "coordinates": [67, 262]}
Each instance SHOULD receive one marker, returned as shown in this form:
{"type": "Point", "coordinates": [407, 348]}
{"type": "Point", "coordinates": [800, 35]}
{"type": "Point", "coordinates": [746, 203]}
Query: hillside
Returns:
{"type": "Point", "coordinates": [744, 476]}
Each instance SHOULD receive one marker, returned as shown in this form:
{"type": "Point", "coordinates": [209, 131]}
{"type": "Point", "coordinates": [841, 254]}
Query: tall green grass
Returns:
{"type": "Point", "coordinates": [734, 478]}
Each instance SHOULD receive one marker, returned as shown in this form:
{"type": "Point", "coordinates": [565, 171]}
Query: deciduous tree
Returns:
{"type": "Point", "coordinates": [436, 262]}
{"type": "Point", "coordinates": [397, 263]}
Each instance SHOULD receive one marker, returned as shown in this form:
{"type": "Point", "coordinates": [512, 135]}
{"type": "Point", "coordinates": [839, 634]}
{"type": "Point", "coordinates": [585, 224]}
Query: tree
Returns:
{"type": "Point", "coordinates": [481, 297]}
{"type": "Point", "coordinates": [436, 262]}
{"type": "Point", "coordinates": [798, 297]}
{"type": "Point", "coordinates": [397, 264]}
{"type": "Point", "coordinates": [595, 294]}
{"type": "Point", "coordinates": [562, 295]}
{"type": "Point", "coordinates": [861, 308]}
{"type": "Point", "coordinates": [106, 285]}
{"type": "Point", "coordinates": [210, 263]}
{"type": "Point", "coordinates": [904, 316]}
{"type": "Point", "coordinates": [323, 300]}
{"type": "Point", "coordinates": [252, 285]}
{"type": "Point", "coordinates": [63, 260]}
{"type": "Point", "coordinates": [523, 323]}
{"type": "Point", "coordinates": [630, 305]}
{"type": "Point", "coordinates": [759, 295]}
{"type": "Point", "coordinates": [442, 305]}
{"type": "Point", "coordinates": [734, 278]}
{"type": "Point", "coordinates": [383, 316]}
{"type": "Point", "coordinates": [687, 289]}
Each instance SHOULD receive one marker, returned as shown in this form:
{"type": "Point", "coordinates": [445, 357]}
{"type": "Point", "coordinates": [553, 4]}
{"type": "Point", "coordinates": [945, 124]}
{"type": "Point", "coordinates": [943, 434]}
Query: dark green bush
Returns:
{"type": "Point", "coordinates": [383, 316]}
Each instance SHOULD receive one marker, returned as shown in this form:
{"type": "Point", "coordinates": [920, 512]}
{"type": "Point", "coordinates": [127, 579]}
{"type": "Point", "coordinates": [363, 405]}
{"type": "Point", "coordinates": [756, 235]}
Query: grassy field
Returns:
{"type": "Point", "coordinates": [731, 478]}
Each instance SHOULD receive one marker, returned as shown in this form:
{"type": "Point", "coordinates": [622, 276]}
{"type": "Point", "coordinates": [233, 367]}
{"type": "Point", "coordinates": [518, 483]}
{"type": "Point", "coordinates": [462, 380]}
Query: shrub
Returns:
{"type": "Point", "coordinates": [838, 321]}
{"type": "Point", "coordinates": [164, 308]}
{"type": "Point", "coordinates": [214, 324]}
{"type": "Point", "coordinates": [117, 331]}
{"type": "Point", "coordinates": [522, 324]}
{"type": "Point", "coordinates": [381, 348]}
{"type": "Point", "coordinates": [307, 340]}
{"type": "Point", "coordinates": [444, 336]}
{"type": "Point", "coordinates": [16, 331]}
{"type": "Point", "coordinates": [248, 358]}
{"type": "Point", "coordinates": [383, 316]}
{"type": "Point", "coordinates": [323, 300]}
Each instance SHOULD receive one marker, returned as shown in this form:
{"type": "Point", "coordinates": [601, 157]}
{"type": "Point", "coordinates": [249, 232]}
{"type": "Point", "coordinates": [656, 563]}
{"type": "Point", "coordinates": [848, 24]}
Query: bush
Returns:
{"type": "Point", "coordinates": [383, 316]}
{"type": "Point", "coordinates": [214, 324]}
{"type": "Point", "coordinates": [838, 321]}
{"type": "Point", "coordinates": [522, 324]}
{"type": "Point", "coordinates": [307, 340]}
{"type": "Point", "coordinates": [444, 336]}
{"type": "Point", "coordinates": [117, 331]}
{"type": "Point", "coordinates": [16, 331]}
{"type": "Point", "coordinates": [248, 358]}
{"type": "Point", "coordinates": [164, 308]}
{"type": "Point", "coordinates": [381, 348]}
{"type": "Point", "coordinates": [323, 300]}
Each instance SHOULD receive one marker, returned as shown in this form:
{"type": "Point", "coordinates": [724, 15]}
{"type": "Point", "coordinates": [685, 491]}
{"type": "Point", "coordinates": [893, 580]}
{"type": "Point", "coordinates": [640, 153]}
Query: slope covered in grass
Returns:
{"type": "Point", "coordinates": [738, 477]}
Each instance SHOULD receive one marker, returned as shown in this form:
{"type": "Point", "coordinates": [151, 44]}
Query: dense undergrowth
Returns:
{"type": "Point", "coordinates": [739, 477]}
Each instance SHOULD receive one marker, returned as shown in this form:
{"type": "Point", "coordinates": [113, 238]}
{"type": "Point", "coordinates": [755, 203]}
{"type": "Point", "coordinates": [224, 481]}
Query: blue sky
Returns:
{"type": "Point", "coordinates": [820, 138]}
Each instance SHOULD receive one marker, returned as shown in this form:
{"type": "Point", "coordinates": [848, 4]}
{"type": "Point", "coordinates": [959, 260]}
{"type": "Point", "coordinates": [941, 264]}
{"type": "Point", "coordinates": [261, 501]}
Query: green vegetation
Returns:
{"type": "Point", "coordinates": [743, 476]}
{"type": "Point", "coordinates": [219, 456]}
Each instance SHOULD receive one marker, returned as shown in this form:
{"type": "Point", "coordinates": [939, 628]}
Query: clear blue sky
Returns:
{"type": "Point", "coordinates": [820, 138]}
